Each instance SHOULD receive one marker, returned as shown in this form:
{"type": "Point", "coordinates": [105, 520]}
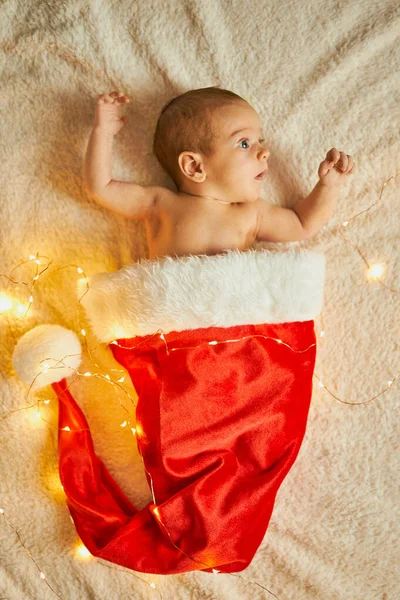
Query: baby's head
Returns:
{"type": "Point", "coordinates": [198, 144]}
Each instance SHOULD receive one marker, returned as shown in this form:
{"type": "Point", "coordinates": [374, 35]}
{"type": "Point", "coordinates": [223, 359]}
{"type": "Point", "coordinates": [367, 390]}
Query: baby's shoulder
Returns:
{"type": "Point", "coordinates": [165, 199]}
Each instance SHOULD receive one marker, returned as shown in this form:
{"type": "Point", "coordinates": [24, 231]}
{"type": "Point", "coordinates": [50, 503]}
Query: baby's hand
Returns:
{"type": "Point", "coordinates": [108, 117]}
{"type": "Point", "coordinates": [334, 169]}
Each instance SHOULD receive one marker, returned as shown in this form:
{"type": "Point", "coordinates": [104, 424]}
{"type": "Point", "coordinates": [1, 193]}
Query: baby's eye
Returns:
{"type": "Point", "coordinates": [260, 141]}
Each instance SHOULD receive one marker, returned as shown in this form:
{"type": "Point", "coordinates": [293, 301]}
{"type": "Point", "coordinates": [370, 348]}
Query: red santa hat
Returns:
{"type": "Point", "coordinates": [219, 429]}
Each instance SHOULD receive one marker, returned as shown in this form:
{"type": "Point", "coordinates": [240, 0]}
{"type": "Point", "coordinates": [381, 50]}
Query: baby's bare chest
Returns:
{"type": "Point", "coordinates": [179, 228]}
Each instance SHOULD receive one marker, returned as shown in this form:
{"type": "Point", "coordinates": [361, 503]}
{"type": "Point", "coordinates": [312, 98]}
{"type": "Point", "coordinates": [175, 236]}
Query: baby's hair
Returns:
{"type": "Point", "coordinates": [186, 123]}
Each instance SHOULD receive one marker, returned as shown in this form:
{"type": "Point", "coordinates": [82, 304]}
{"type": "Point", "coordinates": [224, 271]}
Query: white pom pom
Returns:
{"type": "Point", "coordinates": [51, 342]}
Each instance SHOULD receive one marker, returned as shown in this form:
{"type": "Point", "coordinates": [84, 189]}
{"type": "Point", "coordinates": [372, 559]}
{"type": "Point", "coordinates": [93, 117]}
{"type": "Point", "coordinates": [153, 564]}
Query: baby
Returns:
{"type": "Point", "coordinates": [210, 143]}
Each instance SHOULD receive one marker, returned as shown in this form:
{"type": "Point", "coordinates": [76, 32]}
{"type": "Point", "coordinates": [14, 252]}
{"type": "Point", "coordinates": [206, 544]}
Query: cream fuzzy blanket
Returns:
{"type": "Point", "coordinates": [321, 75]}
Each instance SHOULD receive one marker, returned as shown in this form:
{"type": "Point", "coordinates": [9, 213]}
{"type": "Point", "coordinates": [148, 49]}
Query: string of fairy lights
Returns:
{"type": "Point", "coordinates": [12, 307]}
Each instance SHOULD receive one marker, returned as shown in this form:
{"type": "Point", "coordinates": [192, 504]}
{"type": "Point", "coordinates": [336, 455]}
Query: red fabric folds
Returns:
{"type": "Point", "coordinates": [218, 427]}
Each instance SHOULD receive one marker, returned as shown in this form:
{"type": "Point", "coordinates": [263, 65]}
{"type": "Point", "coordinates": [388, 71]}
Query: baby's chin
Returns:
{"type": "Point", "coordinates": [250, 199]}
{"type": "Point", "coordinates": [245, 196]}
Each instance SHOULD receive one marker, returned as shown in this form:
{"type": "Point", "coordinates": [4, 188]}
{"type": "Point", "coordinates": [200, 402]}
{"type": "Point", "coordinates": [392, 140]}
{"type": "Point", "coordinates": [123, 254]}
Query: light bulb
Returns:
{"type": "Point", "coordinates": [5, 302]}
{"type": "Point", "coordinates": [375, 271]}
{"type": "Point", "coordinates": [83, 551]}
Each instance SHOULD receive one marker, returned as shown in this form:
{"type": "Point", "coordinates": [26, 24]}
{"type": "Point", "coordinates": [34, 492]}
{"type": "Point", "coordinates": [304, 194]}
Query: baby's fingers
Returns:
{"type": "Point", "coordinates": [333, 155]}
{"type": "Point", "coordinates": [351, 169]}
{"type": "Point", "coordinates": [104, 98]}
{"type": "Point", "coordinates": [112, 97]}
{"type": "Point", "coordinates": [119, 96]}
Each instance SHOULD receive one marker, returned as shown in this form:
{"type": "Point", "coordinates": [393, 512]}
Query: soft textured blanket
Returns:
{"type": "Point", "coordinates": [321, 75]}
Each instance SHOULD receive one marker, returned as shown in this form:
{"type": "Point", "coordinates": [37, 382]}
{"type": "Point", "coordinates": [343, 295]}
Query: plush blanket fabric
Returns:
{"type": "Point", "coordinates": [320, 75]}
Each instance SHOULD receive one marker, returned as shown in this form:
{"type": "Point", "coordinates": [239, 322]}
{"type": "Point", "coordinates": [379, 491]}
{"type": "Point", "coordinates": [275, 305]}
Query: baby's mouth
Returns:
{"type": "Point", "coordinates": [262, 174]}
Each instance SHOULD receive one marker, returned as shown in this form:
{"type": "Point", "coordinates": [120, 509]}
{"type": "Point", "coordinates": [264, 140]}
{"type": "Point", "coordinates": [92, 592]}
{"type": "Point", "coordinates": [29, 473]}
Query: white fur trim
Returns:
{"type": "Point", "coordinates": [189, 292]}
{"type": "Point", "coordinates": [51, 342]}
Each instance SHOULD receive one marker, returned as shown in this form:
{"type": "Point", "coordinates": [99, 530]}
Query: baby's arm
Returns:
{"type": "Point", "coordinates": [316, 209]}
{"type": "Point", "coordinates": [277, 224]}
{"type": "Point", "coordinates": [123, 197]}
{"type": "Point", "coordinates": [97, 164]}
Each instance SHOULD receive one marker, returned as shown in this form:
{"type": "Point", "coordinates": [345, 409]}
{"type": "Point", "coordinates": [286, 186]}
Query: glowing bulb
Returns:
{"type": "Point", "coordinates": [375, 271]}
{"type": "Point", "coordinates": [212, 343]}
{"type": "Point", "coordinates": [279, 341]}
{"type": "Point", "coordinates": [121, 380]}
{"type": "Point", "coordinates": [345, 224]}
{"type": "Point", "coordinates": [133, 430]}
{"type": "Point", "coordinates": [42, 575]}
{"type": "Point", "coordinates": [162, 336]}
{"type": "Point", "coordinates": [157, 513]}
{"type": "Point", "coordinates": [390, 383]}
{"type": "Point", "coordinates": [36, 277]}
{"type": "Point", "coordinates": [107, 377]}
{"type": "Point", "coordinates": [79, 270]}
{"type": "Point", "coordinates": [153, 585]}
{"type": "Point", "coordinates": [37, 261]}
{"type": "Point", "coordinates": [1, 511]}
{"type": "Point", "coordinates": [83, 332]}
{"type": "Point", "coordinates": [32, 257]}
{"type": "Point", "coordinates": [65, 428]}
{"type": "Point", "coordinates": [30, 298]}
{"type": "Point", "coordinates": [5, 302]}
{"type": "Point", "coordinates": [321, 385]}
{"type": "Point", "coordinates": [322, 334]}
{"type": "Point", "coordinates": [38, 414]}
{"type": "Point", "coordinates": [123, 424]}
{"type": "Point", "coordinates": [83, 551]}
{"type": "Point", "coordinates": [114, 342]}
{"type": "Point", "coordinates": [215, 571]}
{"type": "Point", "coordinates": [46, 401]}
{"type": "Point", "coordinates": [45, 367]}
{"type": "Point", "coordinates": [87, 374]}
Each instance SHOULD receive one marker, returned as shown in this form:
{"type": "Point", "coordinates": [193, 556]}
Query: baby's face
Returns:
{"type": "Point", "coordinates": [239, 156]}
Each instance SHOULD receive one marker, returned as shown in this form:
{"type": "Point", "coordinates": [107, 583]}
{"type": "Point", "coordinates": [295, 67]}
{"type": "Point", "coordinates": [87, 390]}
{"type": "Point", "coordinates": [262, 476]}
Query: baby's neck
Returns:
{"type": "Point", "coordinates": [208, 197]}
